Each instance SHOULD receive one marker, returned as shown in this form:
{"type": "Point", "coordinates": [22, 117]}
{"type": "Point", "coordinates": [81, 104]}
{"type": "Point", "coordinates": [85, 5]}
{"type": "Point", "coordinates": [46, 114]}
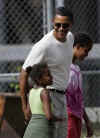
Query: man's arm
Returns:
{"type": "Point", "coordinates": [23, 91]}
{"type": "Point", "coordinates": [88, 124]}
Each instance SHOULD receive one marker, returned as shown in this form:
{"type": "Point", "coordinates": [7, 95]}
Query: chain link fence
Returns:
{"type": "Point", "coordinates": [24, 22]}
{"type": "Point", "coordinates": [86, 17]}
{"type": "Point", "coordinates": [91, 82]}
{"type": "Point", "coordinates": [21, 21]}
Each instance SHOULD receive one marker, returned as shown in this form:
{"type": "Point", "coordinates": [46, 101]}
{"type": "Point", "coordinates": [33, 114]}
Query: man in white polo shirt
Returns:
{"type": "Point", "coordinates": [55, 48]}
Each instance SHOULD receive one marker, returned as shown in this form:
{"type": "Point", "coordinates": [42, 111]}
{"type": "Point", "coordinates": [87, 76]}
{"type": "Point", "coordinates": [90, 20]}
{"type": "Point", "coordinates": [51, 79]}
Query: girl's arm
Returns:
{"type": "Point", "coordinates": [88, 124]}
{"type": "Point", "coordinates": [47, 107]}
{"type": "Point", "coordinates": [46, 104]}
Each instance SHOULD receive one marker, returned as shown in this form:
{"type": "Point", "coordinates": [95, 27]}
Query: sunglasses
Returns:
{"type": "Point", "coordinates": [63, 25]}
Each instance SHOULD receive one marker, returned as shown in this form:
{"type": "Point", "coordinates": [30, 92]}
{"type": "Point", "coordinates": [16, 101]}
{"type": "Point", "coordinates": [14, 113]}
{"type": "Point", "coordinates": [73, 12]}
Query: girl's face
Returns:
{"type": "Point", "coordinates": [81, 52]}
{"type": "Point", "coordinates": [46, 79]}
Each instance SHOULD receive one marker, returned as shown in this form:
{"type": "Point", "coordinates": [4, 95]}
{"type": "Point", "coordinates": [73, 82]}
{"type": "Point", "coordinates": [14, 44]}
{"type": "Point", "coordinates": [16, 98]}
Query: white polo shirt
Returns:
{"type": "Point", "coordinates": [58, 56]}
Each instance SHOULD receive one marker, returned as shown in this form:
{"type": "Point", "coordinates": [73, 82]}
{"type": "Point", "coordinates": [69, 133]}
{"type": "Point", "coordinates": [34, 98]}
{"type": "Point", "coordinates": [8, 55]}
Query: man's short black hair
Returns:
{"type": "Point", "coordinates": [83, 39]}
{"type": "Point", "coordinates": [64, 11]}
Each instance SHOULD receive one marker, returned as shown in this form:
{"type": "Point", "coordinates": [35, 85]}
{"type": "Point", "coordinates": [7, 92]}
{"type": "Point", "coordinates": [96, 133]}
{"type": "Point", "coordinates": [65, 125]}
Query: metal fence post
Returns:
{"type": "Point", "coordinates": [98, 19]}
{"type": "Point", "coordinates": [2, 18]}
{"type": "Point", "coordinates": [59, 3]}
{"type": "Point", "coordinates": [44, 17]}
{"type": "Point", "coordinates": [50, 7]}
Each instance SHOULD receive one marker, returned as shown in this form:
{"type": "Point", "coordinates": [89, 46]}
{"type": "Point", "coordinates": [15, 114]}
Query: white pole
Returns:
{"type": "Point", "coordinates": [44, 17]}
{"type": "Point", "coordinates": [50, 7]}
{"type": "Point", "coordinates": [59, 3]}
{"type": "Point", "coordinates": [2, 20]}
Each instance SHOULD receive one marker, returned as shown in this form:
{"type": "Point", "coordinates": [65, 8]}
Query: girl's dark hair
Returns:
{"type": "Point", "coordinates": [64, 11]}
{"type": "Point", "coordinates": [83, 39]}
{"type": "Point", "coordinates": [37, 71]}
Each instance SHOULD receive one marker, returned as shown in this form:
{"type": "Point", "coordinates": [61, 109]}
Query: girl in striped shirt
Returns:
{"type": "Point", "coordinates": [75, 108]}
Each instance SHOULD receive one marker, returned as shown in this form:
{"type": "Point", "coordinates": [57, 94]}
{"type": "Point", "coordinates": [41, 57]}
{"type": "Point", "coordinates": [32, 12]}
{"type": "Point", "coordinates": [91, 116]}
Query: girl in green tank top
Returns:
{"type": "Point", "coordinates": [39, 125]}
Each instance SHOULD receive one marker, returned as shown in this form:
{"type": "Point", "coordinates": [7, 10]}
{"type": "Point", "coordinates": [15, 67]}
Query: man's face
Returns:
{"type": "Point", "coordinates": [62, 24]}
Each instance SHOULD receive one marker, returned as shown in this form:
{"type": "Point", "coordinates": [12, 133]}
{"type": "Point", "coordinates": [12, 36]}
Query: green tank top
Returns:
{"type": "Point", "coordinates": [35, 102]}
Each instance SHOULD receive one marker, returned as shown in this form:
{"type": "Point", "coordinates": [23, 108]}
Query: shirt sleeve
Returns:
{"type": "Point", "coordinates": [36, 55]}
{"type": "Point", "coordinates": [73, 81]}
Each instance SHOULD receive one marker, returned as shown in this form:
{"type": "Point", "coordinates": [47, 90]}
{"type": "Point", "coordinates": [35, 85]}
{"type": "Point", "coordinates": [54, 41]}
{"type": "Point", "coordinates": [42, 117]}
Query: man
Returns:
{"type": "Point", "coordinates": [55, 48]}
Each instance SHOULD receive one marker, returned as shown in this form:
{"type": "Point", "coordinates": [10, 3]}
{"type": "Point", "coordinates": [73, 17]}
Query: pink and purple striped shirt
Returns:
{"type": "Point", "coordinates": [74, 93]}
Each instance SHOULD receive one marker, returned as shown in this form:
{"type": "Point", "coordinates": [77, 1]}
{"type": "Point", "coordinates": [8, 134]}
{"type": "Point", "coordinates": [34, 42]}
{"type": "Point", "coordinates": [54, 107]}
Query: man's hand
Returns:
{"type": "Point", "coordinates": [58, 118]}
{"type": "Point", "coordinates": [61, 119]}
{"type": "Point", "coordinates": [27, 114]}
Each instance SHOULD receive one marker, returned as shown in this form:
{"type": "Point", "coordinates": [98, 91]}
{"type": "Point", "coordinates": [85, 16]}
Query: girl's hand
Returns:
{"type": "Point", "coordinates": [61, 119]}
{"type": "Point", "coordinates": [89, 129]}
